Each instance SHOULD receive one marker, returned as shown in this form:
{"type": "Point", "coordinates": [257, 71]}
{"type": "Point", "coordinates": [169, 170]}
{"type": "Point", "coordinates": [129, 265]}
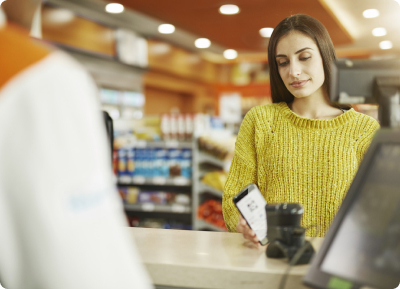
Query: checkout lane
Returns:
{"type": "Point", "coordinates": [196, 259]}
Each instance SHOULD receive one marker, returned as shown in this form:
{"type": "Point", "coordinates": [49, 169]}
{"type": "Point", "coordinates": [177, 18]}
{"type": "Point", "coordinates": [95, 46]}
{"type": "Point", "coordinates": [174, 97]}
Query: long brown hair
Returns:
{"type": "Point", "coordinates": [316, 31]}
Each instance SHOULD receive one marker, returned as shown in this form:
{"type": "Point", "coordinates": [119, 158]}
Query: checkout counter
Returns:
{"type": "Point", "coordinates": [196, 259]}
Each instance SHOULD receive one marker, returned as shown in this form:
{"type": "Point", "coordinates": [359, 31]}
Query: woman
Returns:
{"type": "Point", "coordinates": [300, 149]}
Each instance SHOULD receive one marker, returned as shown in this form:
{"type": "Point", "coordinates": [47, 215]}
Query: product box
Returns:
{"type": "Point", "coordinates": [138, 159]}
{"type": "Point", "coordinates": [130, 161]}
{"type": "Point", "coordinates": [122, 162]}
{"type": "Point", "coordinates": [186, 163]}
{"type": "Point", "coordinates": [161, 167]}
{"type": "Point", "coordinates": [174, 156]}
{"type": "Point", "coordinates": [159, 198]}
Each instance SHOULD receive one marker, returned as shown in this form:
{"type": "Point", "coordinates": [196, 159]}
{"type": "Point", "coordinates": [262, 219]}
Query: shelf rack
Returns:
{"type": "Point", "coordinates": [174, 211]}
{"type": "Point", "coordinates": [157, 181]}
{"type": "Point", "coordinates": [208, 226]}
{"type": "Point", "coordinates": [150, 207]}
{"type": "Point", "coordinates": [199, 187]}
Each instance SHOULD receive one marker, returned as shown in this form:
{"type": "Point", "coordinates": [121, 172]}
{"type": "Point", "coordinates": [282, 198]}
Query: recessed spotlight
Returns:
{"type": "Point", "coordinates": [266, 32]}
{"type": "Point", "coordinates": [202, 43]}
{"type": "Point", "coordinates": [385, 44]}
{"type": "Point", "coordinates": [230, 54]}
{"type": "Point", "coordinates": [229, 9]}
{"type": "Point", "coordinates": [114, 8]}
{"type": "Point", "coordinates": [371, 13]}
{"type": "Point", "coordinates": [58, 16]}
{"type": "Point", "coordinates": [166, 28]}
{"type": "Point", "coordinates": [379, 31]}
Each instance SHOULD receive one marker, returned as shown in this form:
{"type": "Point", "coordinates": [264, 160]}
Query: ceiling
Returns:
{"type": "Point", "coordinates": [349, 12]}
{"type": "Point", "coordinates": [240, 31]}
{"type": "Point", "coordinates": [350, 31]}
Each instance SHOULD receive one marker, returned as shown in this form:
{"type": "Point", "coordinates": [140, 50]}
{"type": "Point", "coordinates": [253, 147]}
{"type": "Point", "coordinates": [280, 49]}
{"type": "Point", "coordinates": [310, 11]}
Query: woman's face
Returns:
{"type": "Point", "coordinates": [300, 65]}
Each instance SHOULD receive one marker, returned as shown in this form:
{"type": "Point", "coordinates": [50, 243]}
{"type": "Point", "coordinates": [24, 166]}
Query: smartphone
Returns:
{"type": "Point", "coordinates": [251, 205]}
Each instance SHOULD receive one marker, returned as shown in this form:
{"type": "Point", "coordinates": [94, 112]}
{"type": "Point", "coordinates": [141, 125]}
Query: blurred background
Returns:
{"type": "Point", "coordinates": [177, 78]}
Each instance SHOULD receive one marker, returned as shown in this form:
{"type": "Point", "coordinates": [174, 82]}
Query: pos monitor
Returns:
{"type": "Point", "coordinates": [368, 81]}
{"type": "Point", "coordinates": [362, 246]}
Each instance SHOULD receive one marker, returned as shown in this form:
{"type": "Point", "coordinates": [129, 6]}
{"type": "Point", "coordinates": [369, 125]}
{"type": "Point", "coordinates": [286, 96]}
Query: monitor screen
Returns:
{"type": "Point", "coordinates": [366, 246]}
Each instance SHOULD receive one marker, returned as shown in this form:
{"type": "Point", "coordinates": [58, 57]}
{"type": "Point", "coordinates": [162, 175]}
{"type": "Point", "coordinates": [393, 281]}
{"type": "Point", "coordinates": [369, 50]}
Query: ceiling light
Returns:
{"type": "Point", "coordinates": [114, 8]}
{"type": "Point", "coordinates": [58, 16]}
{"type": "Point", "coordinates": [266, 32]}
{"type": "Point", "coordinates": [166, 28]}
{"type": "Point", "coordinates": [385, 44]}
{"type": "Point", "coordinates": [371, 13]}
{"type": "Point", "coordinates": [202, 43]}
{"type": "Point", "coordinates": [379, 31]}
{"type": "Point", "coordinates": [229, 9]}
{"type": "Point", "coordinates": [230, 54]}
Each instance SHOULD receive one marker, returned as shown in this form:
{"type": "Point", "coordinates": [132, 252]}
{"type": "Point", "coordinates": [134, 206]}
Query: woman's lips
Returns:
{"type": "Point", "coordinates": [298, 84]}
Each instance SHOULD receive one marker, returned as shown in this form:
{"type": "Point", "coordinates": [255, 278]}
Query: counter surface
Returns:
{"type": "Point", "coordinates": [196, 259]}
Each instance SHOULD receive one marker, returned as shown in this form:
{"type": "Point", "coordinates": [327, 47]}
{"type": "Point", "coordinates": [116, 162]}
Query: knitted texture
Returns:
{"type": "Point", "coordinates": [298, 160]}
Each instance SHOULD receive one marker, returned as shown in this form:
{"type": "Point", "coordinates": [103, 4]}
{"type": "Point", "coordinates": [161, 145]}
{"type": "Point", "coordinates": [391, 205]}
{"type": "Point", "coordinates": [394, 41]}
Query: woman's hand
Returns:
{"type": "Point", "coordinates": [248, 233]}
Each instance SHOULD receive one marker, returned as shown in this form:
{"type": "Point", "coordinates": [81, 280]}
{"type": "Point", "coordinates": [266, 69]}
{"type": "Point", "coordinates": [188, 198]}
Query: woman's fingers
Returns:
{"type": "Point", "coordinates": [248, 233]}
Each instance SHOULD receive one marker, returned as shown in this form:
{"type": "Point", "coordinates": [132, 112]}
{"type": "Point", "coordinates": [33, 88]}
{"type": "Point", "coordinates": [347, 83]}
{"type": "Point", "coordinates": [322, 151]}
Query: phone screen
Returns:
{"type": "Point", "coordinates": [252, 207]}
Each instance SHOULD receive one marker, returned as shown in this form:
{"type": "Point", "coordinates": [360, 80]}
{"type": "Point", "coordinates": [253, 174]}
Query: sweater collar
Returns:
{"type": "Point", "coordinates": [315, 123]}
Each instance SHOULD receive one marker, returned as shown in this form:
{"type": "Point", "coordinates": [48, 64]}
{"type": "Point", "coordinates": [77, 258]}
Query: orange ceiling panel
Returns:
{"type": "Point", "coordinates": [240, 31]}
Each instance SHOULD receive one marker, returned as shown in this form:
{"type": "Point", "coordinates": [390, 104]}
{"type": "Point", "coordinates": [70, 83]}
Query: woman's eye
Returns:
{"type": "Point", "coordinates": [283, 63]}
{"type": "Point", "coordinates": [305, 58]}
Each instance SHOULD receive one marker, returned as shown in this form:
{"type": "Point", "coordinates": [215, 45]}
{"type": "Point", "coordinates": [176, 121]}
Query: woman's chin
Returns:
{"type": "Point", "coordinates": [300, 95]}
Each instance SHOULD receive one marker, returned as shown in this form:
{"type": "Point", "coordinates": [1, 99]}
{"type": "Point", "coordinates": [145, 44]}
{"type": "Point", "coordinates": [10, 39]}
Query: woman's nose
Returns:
{"type": "Point", "coordinates": [295, 69]}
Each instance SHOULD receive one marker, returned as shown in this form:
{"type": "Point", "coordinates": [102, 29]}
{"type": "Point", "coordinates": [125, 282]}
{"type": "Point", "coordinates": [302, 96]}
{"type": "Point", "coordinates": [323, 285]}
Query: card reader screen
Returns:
{"type": "Point", "coordinates": [252, 208]}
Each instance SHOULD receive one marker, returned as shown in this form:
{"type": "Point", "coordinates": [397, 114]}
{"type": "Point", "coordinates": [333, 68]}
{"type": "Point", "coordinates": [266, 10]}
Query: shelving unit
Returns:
{"type": "Point", "coordinates": [203, 188]}
{"type": "Point", "coordinates": [177, 184]}
{"type": "Point", "coordinates": [149, 207]}
{"type": "Point", "coordinates": [157, 181]}
{"type": "Point", "coordinates": [208, 226]}
{"type": "Point", "coordinates": [200, 189]}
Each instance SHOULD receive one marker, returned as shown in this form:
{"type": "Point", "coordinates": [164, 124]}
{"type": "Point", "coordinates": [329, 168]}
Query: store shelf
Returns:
{"type": "Point", "coordinates": [163, 144]}
{"type": "Point", "coordinates": [203, 188]}
{"type": "Point", "coordinates": [201, 224]}
{"type": "Point", "coordinates": [206, 158]}
{"type": "Point", "coordinates": [157, 181]}
{"type": "Point", "coordinates": [149, 207]}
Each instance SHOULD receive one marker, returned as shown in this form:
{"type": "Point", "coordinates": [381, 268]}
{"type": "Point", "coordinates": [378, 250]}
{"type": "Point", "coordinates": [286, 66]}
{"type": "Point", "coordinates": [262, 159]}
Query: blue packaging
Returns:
{"type": "Point", "coordinates": [159, 158]}
{"type": "Point", "coordinates": [130, 159]}
{"type": "Point", "coordinates": [122, 162]}
{"type": "Point", "coordinates": [146, 162]}
{"type": "Point", "coordinates": [186, 163]}
{"type": "Point", "coordinates": [139, 162]}
{"type": "Point", "coordinates": [174, 156]}
{"type": "Point", "coordinates": [152, 166]}
{"type": "Point", "coordinates": [164, 163]}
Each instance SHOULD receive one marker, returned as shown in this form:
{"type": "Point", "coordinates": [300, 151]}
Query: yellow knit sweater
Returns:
{"type": "Point", "coordinates": [298, 160]}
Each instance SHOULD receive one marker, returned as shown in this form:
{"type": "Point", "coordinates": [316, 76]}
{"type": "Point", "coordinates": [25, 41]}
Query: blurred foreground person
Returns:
{"type": "Point", "coordinates": [61, 222]}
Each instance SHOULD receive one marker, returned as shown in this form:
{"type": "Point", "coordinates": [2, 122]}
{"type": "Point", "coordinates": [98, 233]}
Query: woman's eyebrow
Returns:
{"type": "Point", "coordinates": [297, 52]}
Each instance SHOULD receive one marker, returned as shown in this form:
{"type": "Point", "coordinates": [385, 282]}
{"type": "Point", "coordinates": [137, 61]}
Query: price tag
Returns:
{"type": "Point", "coordinates": [171, 144]}
{"type": "Point", "coordinates": [176, 208]}
{"type": "Point", "coordinates": [148, 207]}
{"type": "Point", "coordinates": [181, 181]}
{"type": "Point", "coordinates": [141, 144]}
{"type": "Point", "coordinates": [124, 179]}
{"type": "Point", "coordinates": [159, 180]}
{"type": "Point", "coordinates": [139, 180]}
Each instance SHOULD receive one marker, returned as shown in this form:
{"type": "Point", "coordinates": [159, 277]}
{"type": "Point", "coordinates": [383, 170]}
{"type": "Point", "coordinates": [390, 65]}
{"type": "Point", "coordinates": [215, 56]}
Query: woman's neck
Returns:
{"type": "Point", "coordinates": [314, 107]}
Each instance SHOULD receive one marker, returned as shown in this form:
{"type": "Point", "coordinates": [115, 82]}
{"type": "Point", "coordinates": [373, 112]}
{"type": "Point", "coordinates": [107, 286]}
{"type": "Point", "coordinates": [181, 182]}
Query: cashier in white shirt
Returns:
{"type": "Point", "coordinates": [61, 222]}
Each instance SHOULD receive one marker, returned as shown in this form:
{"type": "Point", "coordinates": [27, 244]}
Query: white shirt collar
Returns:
{"type": "Point", "coordinates": [3, 19]}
